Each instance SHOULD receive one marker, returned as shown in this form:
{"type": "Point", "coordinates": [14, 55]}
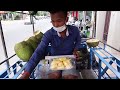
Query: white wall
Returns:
{"type": "Point", "coordinates": [100, 22]}
{"type": "Point", "coordinates": [114, 30]}
{"type": "Point", "coordinates": [92, 23]}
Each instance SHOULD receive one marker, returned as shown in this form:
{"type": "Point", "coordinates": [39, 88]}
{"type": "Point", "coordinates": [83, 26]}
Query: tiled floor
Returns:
{"type": "Point", "coordinates": [112, 51]}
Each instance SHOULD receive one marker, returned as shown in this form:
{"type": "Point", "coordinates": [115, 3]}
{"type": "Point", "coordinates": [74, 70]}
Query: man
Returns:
{"type": "Point", "coordinates": [77, 23]}
{"type": "Point", "coordinates": [64, 40]}
{"type": "Point", "coordinates": [88, 23]}
{"type": "Point", "coordinates": [81, 25]}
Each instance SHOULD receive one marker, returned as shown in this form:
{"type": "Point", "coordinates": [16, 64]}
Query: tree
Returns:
{"type": "Point", "coordinates": [32, 12]}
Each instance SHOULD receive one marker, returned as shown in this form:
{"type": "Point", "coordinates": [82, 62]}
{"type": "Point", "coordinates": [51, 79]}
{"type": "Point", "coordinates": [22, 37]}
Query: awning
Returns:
{"type": "Point", "coordinates": [2, 12]}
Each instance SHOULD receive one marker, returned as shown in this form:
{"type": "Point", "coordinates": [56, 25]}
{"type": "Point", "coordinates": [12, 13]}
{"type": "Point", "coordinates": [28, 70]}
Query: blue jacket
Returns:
{"type": "Point", "coordinates": [59, 46]}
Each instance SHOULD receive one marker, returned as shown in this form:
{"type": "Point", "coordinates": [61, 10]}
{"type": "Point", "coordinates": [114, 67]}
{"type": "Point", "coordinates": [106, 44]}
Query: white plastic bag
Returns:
{"type": "Point", "coordinates": [42, 70]}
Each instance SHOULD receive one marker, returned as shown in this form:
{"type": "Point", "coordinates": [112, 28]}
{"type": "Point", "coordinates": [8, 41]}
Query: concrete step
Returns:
{"type": "Point", "coordinates": [88, 74]}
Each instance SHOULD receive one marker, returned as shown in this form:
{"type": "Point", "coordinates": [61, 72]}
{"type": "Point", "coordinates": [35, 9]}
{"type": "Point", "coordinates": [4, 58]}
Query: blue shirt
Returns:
{"type": "Point", "coordinates": [59, 45]}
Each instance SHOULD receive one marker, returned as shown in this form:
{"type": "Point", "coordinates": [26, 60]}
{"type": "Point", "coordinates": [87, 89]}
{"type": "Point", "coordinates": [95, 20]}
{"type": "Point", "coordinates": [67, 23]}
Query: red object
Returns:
{"type": "Point", "coordinates": [75, 14]}
{"type": "Point", "coordinates": [2, 12]}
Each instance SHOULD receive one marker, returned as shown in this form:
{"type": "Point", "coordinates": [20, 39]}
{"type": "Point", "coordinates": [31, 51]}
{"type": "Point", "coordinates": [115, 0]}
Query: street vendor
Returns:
{"type": "Point", "coordinates": [64, 40]}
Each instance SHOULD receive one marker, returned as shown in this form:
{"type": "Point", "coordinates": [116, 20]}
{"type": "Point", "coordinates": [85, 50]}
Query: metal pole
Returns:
{"type": "Point", "coordinates": [84, 20]}
{"type": "Point", "coordinates": [110, 46]}
{"type": "Point", "coordinates": [99, 70]}
{"type": "Point", "coordinates": [32, 22]}
{"type": "Point", "coordinates": [91, 57]}
{"type": "Point", "coordinates": [95, 24]}
{"type": "Point", "coordinates": [4, 46]}
{"type": "Point", "coordinates": [7, 59]}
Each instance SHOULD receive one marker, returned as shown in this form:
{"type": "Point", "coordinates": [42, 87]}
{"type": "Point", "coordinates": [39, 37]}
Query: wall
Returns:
{"type": "Point", "coordinates": [100, 22]}
{"type": "Point", "coordinates": [114, 30]}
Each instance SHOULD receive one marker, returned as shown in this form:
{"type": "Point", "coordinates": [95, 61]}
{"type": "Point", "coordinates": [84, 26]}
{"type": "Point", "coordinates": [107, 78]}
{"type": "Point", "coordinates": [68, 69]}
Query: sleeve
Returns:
{"type": "Point", "coordinates": [39, 53]}
{"type": "Point", "coordinates": [77, 40]}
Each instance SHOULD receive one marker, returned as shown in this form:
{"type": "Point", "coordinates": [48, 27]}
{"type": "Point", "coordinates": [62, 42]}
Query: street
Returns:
{"type": "Point", "coordinates": [16, 31]}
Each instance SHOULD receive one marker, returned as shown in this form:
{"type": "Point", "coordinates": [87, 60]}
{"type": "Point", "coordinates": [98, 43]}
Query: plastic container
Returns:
{"type": "Point", "coordinates": [72, 62]}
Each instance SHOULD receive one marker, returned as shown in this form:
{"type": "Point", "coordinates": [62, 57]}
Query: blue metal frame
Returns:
{"type": "Point", "coordinates": [103, 71]}
{"type": "Point", "coordinates": [14, 67]}
{"type": "Point", "coordinates": [19, 72]}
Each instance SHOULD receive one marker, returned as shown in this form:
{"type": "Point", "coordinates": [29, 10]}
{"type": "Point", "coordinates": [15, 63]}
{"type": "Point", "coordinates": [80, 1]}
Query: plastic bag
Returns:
{"type": "Point", "coordinates": [42, 70]}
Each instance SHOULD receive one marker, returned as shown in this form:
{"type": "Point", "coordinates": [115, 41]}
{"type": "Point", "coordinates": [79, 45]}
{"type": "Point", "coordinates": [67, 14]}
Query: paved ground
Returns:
{"type": "Point", "coordinates": [15, 31]}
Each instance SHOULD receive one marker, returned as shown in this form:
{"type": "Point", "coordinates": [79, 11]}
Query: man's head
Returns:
{"type": "Point", "coordinates": [87, 20]}
{"type": "Point", "coordinates": [58, 18]}
{"type": "Point", "coordinates": [75, 18]}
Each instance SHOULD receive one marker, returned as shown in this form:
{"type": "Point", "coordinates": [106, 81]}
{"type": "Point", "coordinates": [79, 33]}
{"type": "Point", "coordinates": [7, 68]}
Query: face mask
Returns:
{"type": "Point", "coordinates": [67, 33]}
{"type": "Point", "coordinates": [60, 29]}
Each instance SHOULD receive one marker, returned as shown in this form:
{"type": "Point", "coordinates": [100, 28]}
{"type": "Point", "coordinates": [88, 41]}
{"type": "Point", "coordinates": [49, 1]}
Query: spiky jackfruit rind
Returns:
{"type": "Point", "coordinates": [92, 42]}
{"type": "Point", "coordinates": [23, 50]}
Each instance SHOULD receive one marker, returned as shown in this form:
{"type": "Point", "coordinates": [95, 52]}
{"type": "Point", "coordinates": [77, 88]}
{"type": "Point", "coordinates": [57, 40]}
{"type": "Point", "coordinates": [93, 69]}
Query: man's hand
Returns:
{"type": "Point", "coordinates": [25, 75]}
{"type": "Point", "coordinates": [77, 55]}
